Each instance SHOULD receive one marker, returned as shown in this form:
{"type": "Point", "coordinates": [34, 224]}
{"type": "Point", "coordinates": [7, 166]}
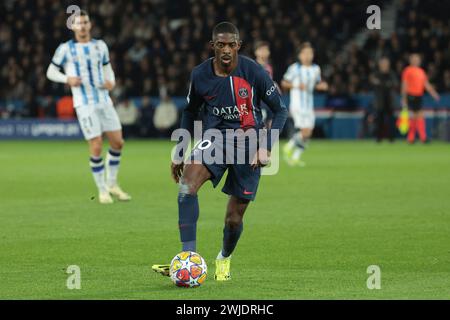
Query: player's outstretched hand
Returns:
{"type": "Point", "coordinates": [108, 85]}
{"type": "Point", "coordinates": [74, 81]}
{"type": "Point", "coordinates": [261, 158]}
{"type": "Point", "coordinates": [177, 171]}
{"type": "Point", "coordinates": [323, 86]}
{"type": "Point", "coordinates": [437, 97]}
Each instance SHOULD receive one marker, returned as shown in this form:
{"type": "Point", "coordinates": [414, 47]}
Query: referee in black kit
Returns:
{"type": "Point", "coordinates": [384, 83]}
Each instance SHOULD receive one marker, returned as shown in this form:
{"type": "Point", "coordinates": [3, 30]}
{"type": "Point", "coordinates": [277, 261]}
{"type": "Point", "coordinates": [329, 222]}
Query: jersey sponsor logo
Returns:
{"type": "Point", "coordinates": [243, 93]}
{"type": "Point", "coordinates": [231, 112]}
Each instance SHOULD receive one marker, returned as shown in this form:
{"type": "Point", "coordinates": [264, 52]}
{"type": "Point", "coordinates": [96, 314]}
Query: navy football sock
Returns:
{"type": "Point", "coordinates": [231, 238]}
{"type": "Point", "coordinates": [189, 245]}
{"type": "Point", "coordinates": [188, 212]}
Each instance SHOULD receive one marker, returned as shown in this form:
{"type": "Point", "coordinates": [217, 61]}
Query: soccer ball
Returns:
{"type": "Point", "coordinates": [188, 269]}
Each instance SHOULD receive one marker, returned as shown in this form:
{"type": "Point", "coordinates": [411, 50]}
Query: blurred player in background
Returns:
{"type": "Point", "coordinates": [301, 79]}
{"type": "Point", "coordinates": [227, 90]}
{"type": "Point", "coordinates": [414, 84]}
{"type": "Point", "coordinates": [87, 70]}
{"type": "Point", "coordinates": [262, 56]}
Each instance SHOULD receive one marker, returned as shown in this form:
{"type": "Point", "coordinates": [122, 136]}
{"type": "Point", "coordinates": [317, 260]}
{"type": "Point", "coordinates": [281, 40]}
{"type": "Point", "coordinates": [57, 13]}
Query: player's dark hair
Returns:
{"type": "Point", "coordinates": [259, 44]}
{"type": "Point", "coordinates": [225, 27]}
{"type": "Point", "coordinates": [304, 45]}
{"type": "Point", "coordinates": [81, 13]}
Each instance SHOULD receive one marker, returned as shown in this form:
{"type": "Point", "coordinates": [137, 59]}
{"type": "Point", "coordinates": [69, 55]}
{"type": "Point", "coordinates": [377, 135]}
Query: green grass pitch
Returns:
{"type": "Point", "coordinates": [311, 233]}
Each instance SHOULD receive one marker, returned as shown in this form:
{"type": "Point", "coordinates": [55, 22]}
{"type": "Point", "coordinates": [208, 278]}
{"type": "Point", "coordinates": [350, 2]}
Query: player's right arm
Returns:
{"type": "Point", "coordinates": [54, 69]}
{"type": "Point", "coordinates": [55, 75]}
{"type": "Point", "coordinates": [194, 101]}
{"type": "Point", "coordinates": [187, 122]}
{"type": "Point", "coordinates": [286, 85]}
{"type": "Point", "coordinates": [288, 78]}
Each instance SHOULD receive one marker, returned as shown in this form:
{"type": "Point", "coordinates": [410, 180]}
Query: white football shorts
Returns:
{"type": "Point", "coordinates": [96, 119]}
{"type": "Point", "coordinates": [303, 118]}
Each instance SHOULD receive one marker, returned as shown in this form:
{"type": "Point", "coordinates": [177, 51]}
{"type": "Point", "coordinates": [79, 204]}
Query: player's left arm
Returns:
{"type": "Point", "coordinates": [270, 95]}
{"type": "Point", "coordinates": [110, 78]}
{"type": "Point", "coordinates": [320, 84]}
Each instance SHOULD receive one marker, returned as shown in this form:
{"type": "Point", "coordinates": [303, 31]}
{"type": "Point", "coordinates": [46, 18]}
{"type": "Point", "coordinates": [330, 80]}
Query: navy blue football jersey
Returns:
{"type": "Point", "coordinates": [234, 101]}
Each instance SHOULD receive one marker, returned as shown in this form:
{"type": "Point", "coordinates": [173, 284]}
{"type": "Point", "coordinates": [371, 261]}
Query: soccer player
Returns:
{"type": "Point", "coordinates": [301, 79]}
{"type": "Point", "coordinates": [414, 84]}
{"type": "Point", "coordinates": [227, 90]}
{"type": "Point", "coordinates": [87, 70]}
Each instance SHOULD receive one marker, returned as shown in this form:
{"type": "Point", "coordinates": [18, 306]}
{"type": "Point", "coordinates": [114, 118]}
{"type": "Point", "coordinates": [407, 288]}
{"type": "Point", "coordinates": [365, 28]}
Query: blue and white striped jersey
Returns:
{"type": "Point", "coordinates": [310, 77]}
{"type": "Point", "coordinates": [85, 60]}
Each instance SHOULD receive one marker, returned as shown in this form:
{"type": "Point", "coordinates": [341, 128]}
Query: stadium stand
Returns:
{"type": "Point", "coordinates": [158, 42]}
{"type": "Point", "coordinates": [154, 44]}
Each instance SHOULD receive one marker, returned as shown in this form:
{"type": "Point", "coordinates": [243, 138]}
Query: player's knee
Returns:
{"type": "Point", "coordinates": [96, 147]}
{"type": "Point", "coordinates": [233, 219]}
{"type": "Point", "coordinates": [306, 134]}
{"type": "Point", "coordinates": [192, 180]}
{"type": "Point", "coordinates": [118, 144]}
{"type": "Point", "coordinates": [187, 187]}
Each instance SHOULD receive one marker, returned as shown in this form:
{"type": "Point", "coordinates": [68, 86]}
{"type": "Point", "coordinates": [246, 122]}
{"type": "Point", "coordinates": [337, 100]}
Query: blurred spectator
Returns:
{"type": "Point", "coordinates": [128, 115]}
{"type": "Point", "coordinates": [137, 52]}
{"type": "Point", "coordinates": [170, 36]}
{"type": "Point", "coordinates": [47, 107]}
{"type": "Point", "coordinates": [166, 116]}
{"type": "Point", "coordinates": [64, 108]}
{"type": "Point", "coordinates": [385, 86]}
{"type": "Point", "coordinates": [118, 91]}
{"type": "Point", "coordinates": [30, 108]}
{"type": "Point", "coordinates": [156, 43]}
{"type": "Point", "coordinates": [368, 121]}
{"type": "Point", "coordinates": [146, 128]}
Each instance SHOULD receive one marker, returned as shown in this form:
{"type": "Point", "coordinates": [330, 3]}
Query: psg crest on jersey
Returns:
{"type": "Point", "coordinates": [243, 93]}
